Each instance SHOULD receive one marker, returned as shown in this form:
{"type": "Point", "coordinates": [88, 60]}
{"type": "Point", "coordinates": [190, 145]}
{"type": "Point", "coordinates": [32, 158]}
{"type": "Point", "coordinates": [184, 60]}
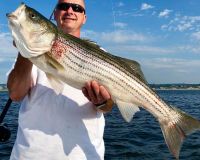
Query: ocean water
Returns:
{"type": "Point", "coordinates": [141, 139]}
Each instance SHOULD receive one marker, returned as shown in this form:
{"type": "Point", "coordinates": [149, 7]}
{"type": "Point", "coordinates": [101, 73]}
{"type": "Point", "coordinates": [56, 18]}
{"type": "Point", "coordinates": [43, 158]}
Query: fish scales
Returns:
{"type": "Point", "coordinates": [93, 67]}
{"type": "Point", "coordinates": [90, 59]}
{"type": "Point", "coordinates": [113, 67]}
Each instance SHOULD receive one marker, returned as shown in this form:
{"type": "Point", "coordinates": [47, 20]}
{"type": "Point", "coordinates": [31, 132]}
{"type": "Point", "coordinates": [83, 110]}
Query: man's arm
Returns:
{"type": "Point", "coordinates": [20, 80]}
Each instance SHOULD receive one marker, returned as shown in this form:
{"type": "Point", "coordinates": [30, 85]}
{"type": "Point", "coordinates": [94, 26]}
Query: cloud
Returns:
{"type": "Point", "coordinates": [172, 64]}
{"type": "Point", "coordinates": [7, 51]}
{"type": "Point", "coordinates": [127, 41]}
{"type": "Point", "coordinates": [3, 26]}
{"type": "Point", "coordinates": [175, 65]}
{"type": "Point", "coordinates": [6, 48]}
{"type": "Point", "coordinates": [196, 35]}
{"type": "Point", "coordinates": [164, 27]}
{"type": "Point", "coordinates": [144, 50]}
{"type": "Point", "coordinates": [189, 49]}
{"type": "Point", "coordinates": [146, 6]}
{"type": "Point", "coordinates": [120, 4]}
{"type": "Point", "coordinates": [184, 26]}
{"type": "Point", "coordinates": [153, 13]}
{"type": "Point", "coordinates": [124, 41]}
{"type": "Point", "coordinates": [183, 23]}
{"type": "Point", "coordinates": [89, 33]}
{"type": "Point", "coordinates": [120, 25]}
{"type": "Point", "coordinates": [133, 13]}
{"type": "Point", "coordinates": [165, 13]}
{"type": "Point", "coordinates": [7, 59]}
{"type": "Point", "coordinates": [171, 70]}
{"type": "Point", "coordinates": [117, 36]}
{"type": "Point", "coordinates": [121, 36]}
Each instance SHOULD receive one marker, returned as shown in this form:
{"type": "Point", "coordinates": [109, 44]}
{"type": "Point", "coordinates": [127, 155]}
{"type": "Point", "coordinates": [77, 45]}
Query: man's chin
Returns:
{"type": "Point", "coordinates": [67, 29]}
{"type": "Point", "coordinates": [67, 25]}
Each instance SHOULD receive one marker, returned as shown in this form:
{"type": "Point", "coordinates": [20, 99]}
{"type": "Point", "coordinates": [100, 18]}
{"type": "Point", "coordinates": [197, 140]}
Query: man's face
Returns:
{"type": "Point", "coordinates": [68, 20]}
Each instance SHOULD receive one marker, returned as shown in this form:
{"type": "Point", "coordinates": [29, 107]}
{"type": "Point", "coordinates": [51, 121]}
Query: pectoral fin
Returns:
{"type": "Point", "coordinates": [127, 110]}
{"type": "Point", "coordinates": [53, 63]}
{"type": "Point", "coordinates": [56, 84]}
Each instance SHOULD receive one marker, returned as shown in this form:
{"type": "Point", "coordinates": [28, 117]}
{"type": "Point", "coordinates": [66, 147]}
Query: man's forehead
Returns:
{"type": "Point", "coordinates": [81, 2]}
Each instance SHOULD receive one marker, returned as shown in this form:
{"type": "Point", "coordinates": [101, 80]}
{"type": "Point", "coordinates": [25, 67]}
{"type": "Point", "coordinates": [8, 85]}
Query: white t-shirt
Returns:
{"type": "Point", "coordinates": [58, 127]}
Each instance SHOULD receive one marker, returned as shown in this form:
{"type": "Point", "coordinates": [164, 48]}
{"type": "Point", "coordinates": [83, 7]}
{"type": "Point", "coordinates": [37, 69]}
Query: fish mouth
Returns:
{"type": "Point", "coordinates": [11, 16]}
{"type": "Point", "coordinates": [14, 15]}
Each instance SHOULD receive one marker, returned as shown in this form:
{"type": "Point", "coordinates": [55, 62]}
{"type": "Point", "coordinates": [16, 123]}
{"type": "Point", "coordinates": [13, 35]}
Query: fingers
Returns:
{"type": "Point", "coordinates": [95, 93]}
{"type": "Point", "coordinates": [89, 92]}
{"type": "Point", "coordinates": [104, 93]}
{"type": "Point", "coordinates": [95, 89]}
{"type": "Point", "coordinates": [85, 92]}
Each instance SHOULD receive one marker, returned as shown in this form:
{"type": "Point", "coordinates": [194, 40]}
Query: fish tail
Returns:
{"type": "Point", "coordinates": [176, 130]}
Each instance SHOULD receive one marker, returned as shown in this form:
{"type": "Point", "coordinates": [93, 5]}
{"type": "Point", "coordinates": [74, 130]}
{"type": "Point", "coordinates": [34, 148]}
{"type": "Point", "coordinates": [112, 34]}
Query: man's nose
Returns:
{"type": "Point", "coordinates": [70, 10]}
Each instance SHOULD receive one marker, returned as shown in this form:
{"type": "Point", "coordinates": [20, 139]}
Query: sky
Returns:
{"type": "Point", "coordinates": [163, 36]}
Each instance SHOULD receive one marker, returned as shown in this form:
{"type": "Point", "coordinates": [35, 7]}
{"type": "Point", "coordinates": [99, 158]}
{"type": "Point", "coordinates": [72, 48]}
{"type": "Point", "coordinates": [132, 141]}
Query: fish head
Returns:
{"type": "Point", "coordinates": [33, 33]}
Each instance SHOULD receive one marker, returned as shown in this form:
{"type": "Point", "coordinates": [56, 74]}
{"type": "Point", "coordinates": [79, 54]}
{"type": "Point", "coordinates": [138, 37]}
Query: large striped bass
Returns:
{"type": "Point", "coordinates": [67, 59]}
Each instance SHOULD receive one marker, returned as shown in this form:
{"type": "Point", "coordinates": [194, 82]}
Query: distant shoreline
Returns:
{"type": "Point", "coordinates": [181, 89]}
{"type": "Point", "coordinates": [175, 86]}
{"type": "Point", "coordinates": [3, 90]}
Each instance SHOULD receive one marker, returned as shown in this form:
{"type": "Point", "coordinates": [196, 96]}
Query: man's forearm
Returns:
{"type": "Point", "coordinates": [20, 80]}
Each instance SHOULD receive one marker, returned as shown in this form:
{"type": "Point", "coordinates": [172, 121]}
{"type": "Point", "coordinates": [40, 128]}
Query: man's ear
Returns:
{"type": "Point", "coordinates": [85, 19]}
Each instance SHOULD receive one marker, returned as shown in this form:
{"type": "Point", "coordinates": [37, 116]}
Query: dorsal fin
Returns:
{"type": "Point", "coordinates": [93, 43]}
{"type": "Point", "coordinates": [134, 68]}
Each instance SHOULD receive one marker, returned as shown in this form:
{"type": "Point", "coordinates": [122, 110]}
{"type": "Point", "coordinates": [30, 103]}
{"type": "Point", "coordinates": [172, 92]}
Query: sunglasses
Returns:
{"type": "Point", "coordinates": [66, 6]}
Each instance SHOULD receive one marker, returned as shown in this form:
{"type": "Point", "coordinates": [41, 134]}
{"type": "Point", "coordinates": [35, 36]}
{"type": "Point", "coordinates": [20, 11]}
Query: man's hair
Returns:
{"type": "Point", "coordinates": [82, 0]}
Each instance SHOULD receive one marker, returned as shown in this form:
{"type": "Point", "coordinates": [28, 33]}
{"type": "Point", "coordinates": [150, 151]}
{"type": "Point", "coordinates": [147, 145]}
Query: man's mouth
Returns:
{"type": "Point", "coordinates": [68, 18]}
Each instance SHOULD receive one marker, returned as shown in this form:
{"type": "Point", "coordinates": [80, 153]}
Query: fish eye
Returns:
{"type": "Point", "coordinates": [32, 15]}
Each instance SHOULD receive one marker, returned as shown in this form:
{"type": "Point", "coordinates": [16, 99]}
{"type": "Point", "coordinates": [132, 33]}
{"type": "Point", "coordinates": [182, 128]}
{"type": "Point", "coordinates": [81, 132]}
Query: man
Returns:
{"type": "Point", "coordinates": [64, 126]}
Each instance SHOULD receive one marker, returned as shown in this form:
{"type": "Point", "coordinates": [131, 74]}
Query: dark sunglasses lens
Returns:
{"type": "Point", "coordinates": [77, 8]}
{"type": "Point", "coordinates": [66, 6]}
{"type": "Point", "coordinates": [63, 6]}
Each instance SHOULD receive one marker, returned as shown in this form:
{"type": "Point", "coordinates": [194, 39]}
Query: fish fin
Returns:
{"type": "Point", "coordinates": [56, 84]}
{"type": "Point", "coordinates": [53, 63]}
{"type": "Point", "coordinates": [90, 41]}
{"type": "Point", "coordinates": [127, 110]}
{"type": "Point", "coordinates": [176, 130]}
{"type": "Point", "coordinates": [134, 68]}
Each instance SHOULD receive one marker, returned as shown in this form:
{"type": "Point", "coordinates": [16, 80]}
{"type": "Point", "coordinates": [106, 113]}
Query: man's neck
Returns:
{"type": "Point", "coordinates": [76, 34]}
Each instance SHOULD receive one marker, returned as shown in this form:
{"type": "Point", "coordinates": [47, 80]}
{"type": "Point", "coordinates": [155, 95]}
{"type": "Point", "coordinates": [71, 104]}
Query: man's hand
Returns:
{"type": "Point", "coordinates": [98, 95]}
